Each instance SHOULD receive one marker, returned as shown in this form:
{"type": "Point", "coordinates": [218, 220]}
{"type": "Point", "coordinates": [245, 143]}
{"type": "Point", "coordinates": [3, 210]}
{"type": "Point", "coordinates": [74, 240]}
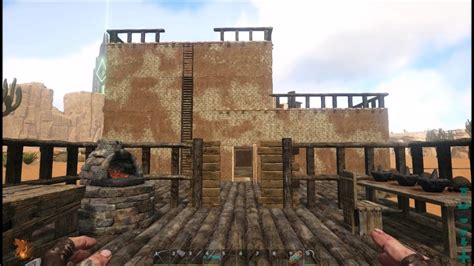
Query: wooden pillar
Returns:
{"type": "Point", "coordinates": [277, 102]}
{"type": "Point", "coordinates": [236, 35]}
{"type": "Point", "coordinates": [250, 35]}
{"type": "Point", "coordinates": [307, 101]}
{"type": "Point", "coordinates": [381, 101]}
{"type": "Point", "coordinates": [197, 173]}
{"type": "Point", "coordinates": [311, 184]}
{"type": "Point", "coordinates": [449, 231]}
{"type": "Point", "coordinates": [323, 102]}
{"type": "Point", "coordinates": [369, 167]}
{"type": "Point", "coordinates": [287, 154]}
{"type": "Point", "coordinates": [443, 152]}
{"type": "Point", "coordinates": [364, 101]}
{"type": "Point", "coordinates": [400, 164]}
{"type": "Point", "coordinates": [418, 169]}
{"type": "Point", "coordinates": [334, 101]}
{"type": "Point", "coordinates": [14, 163]}
{"type": "Point", "coordinates": [46, 161]}
{"type": "Point", "coordinates": [142, 37]}
{"type": "Point", "coordinates": [157, 36]}
{"type": "Point", "coordinates": [341, 165]}
{"type": "Point", "coordinates": [146, 154]}
{"type": "Point", "coordinates": [72, 158]}
{"type": "Point", "coordinates": [89, 150]}
{"type": "Point", "coordinates": [174, 199]}
{"type": "Point", "coordinates": [349, 101]}
{"type": "Point", "coordinates": [129, 37]}
{"type": "Point", "coordinates": [222, 35]}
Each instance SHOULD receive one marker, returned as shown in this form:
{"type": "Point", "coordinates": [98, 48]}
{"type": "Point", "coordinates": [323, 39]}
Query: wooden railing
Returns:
{"type": "Point", "coordinates": [114, 38]}
{"type": "Point", "coordinates": [267, 32]}
{"type": "Point", "coordinates": [15, 159]}
{"type": "Point", "coordinates": [443, 150]}
{"type": "Point", "coordinates": [369, 100]}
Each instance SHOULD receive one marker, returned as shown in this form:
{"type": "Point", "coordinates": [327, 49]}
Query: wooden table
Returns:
{"type": "Point", "coordinates": [447, 200]}
{"type": "Point", "coordinates": [27, 209]}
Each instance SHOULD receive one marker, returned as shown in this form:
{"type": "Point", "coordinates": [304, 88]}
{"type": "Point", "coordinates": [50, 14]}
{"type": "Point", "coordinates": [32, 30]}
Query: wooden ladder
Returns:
{"type": "Point", "coordinates": [187, 107]}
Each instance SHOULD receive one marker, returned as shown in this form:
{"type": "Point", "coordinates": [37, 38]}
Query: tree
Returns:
{"type": "Point", "coordinates": [468, 127]}
{"type": "Point", "coordinates": [439, 134]}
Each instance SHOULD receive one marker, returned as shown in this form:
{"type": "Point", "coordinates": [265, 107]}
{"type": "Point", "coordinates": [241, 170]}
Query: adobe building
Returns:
{"type": "Point", "coordinates": [221, 91]}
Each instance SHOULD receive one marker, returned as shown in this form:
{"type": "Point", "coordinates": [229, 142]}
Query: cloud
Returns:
{"type": "Point", "coordinates": [70, 73]}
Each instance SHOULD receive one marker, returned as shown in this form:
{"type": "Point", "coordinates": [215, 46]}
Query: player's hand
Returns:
{"type": "Point", "coordinates": [81, 244]}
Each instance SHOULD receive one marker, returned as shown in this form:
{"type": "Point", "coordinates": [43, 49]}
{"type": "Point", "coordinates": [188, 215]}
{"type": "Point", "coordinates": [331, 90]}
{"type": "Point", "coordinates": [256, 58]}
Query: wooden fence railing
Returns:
{"type": "Point", "coordinates": [114, 34]}
{"type": "Point", "coordinates": [443, 150]}
{"type": "Point", "coordinates": [15, 159]}
{"type": "Point", "coordinates": [369, 100]}
{"type": "Point", "coordinates": [267, 32]}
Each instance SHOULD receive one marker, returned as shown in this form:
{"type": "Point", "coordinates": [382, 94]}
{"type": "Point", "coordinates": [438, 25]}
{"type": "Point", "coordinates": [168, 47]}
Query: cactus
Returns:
{"type": "Point", "coordinates": [8, 97]}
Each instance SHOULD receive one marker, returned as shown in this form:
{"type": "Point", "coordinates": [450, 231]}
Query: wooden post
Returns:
{"type": "Point", "coordinates": [381, 101]}
{"type": "Point", "coordinates": [334, 101]}
{"type": "Point", "coordinates": [197, 172]}
{"type": "Point", "coordinates": [349, 100]}
{"type": "Point", "coordinates": [341, 165]}
{"type": "Point", "coordinates": [157, 36]}
{"type": "Point", "coordinates": [443, 152]}
{"type": "Point", "coordinates": [364, 101]}
{"type": "Point", "coordinates": [287, 154]}
{"type": "Point", "coordinates": [222, 35]}
{"type": "Point", "coordinates": [311, 184]}
{"type": "Point", "coordinates": [46, 161]}
{"type": "Point", "coordinates": [89, 150]}
{"type": "Point", "coordinates": [129, 37]}
{"type": "Point", "coordinates": [369, 167]}
{"type": "Point", "coordinates": [277, 102]}
{"type": "Point", "coordinates": [14, 163]}
{"type": "Point", "coordinates": [250, 35]}
{"type": "Point", "coordinates": [307, 101]}
{"type": "Point", "coordinates": [323, 102]}
{"type": "Point", "coordinates": [142, 38]}
{"type": "Point", "coordinates": [449, 231]}
{"type": "Point", "coordinates": [146, 156]}
{"type": "Point", "coordinates": [236, 35]}
{"type": "Point", "coordinates": [174, 200]}
{"type": "Point", "coordinates": [418, 168]}
{"type": "Point", "coordinates": [400, 164]}
{"type": "Point", "coordinates": [72, 156]}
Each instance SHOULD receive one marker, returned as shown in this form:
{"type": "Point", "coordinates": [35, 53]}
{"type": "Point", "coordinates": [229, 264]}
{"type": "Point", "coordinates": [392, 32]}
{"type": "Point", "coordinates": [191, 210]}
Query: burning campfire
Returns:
{"type": "Point", "coordinates": [23, 249]}
{"type": "Point", "coordinates": [117, 174]}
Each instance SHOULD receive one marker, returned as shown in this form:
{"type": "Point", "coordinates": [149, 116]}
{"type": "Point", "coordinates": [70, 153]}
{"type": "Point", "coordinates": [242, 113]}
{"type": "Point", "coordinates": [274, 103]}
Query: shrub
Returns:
{"type": "Point", "coordinates": [29, 157]}
{"type": "Point", "coordinates": [439, 134]}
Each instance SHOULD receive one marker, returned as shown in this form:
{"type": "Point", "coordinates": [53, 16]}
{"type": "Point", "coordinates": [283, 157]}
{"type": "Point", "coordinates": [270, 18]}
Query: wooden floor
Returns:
{"type": "Point", "coordinates": [241, 225]}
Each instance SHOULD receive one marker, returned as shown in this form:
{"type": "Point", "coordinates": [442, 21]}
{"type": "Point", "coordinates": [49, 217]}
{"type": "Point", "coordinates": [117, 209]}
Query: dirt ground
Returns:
{"type": "Point", "coordinates": [460, 167]}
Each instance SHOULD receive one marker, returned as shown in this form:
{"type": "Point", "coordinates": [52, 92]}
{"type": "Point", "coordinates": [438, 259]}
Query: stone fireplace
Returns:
{"type": "Point", "coordinates": [117, 197]}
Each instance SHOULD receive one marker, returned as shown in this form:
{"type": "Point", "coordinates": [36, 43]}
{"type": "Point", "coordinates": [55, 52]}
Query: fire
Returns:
{"type": "Point", "coordinates": [23, 249]}
{"type": "Point", "coordinates": [117, 174]}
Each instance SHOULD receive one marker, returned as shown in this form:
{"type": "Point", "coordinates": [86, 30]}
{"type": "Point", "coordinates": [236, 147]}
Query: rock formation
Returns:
{"type": "Point", "coordinates": [37, 118]}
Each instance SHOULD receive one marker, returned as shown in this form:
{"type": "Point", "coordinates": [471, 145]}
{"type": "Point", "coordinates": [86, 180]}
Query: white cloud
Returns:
{"type": "Point", "coordinates": [70, 73]}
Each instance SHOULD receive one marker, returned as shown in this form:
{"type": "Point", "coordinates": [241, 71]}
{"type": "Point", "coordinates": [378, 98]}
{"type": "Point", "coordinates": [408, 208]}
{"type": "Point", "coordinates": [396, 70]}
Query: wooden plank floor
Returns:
{"type": "Point", "coordinates": [240, 224]}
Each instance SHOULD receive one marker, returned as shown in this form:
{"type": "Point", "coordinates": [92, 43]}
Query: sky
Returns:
{"type": "Point", "coordinates": [419, 52]}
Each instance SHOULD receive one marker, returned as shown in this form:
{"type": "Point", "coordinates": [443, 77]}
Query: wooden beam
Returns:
{"type": "Point", "coordinates": [236, 35]}
{"type": "Point", "coordinates": [197, 173]}
{"type": "Point", "coordinates": [323, 102]}
{"type": "Point", "coordinates": [14, 163]}
{"type": "Point", "coordinates": [287, 156]}
{"type": "Point", "coordinates": [250, 35]}
{"type": "Point", "coordinates": [174, 199]}
{"type": "Point", "coordinates": [349, 101]}
{"type": "Point", "coordinates": [142, 37]}
{"type": "Point", "coordinates": [341, 166]}
{"type": "Point", "coordinates": [381, 101]}
{"type": "Point", "coordinates": [72, 159]}
{"type": "Point", "coordinates": [146, 154]}
{"type": "Point", "coordinates": [445, 166]}
{"type": "Point", "coordinates": [418, 169]}
{"type": "Point", "coordinates": [334, 101]}
{"type": "Point", "coordinates": [129, 37]}
{"type": "Point", "coordinates": [364, 101]}
{"type": "Point", "coordinates": [222, 35]}
{"type": "Point", "coordinates": [46, 161]}
{"type": "Point", "coordinates": [369, 167]}
{"type": "Point", "coordinates": [311, 184]}
{"type": "Point", "coordinates": [449, 231]}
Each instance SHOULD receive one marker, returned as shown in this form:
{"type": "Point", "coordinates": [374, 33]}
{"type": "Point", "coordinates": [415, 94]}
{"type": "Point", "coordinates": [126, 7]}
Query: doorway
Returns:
{"type": "Point", "coordinates": [243, 163]}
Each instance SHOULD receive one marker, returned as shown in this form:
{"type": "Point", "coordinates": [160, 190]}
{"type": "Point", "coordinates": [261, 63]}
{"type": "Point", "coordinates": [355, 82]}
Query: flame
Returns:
{"type": "Point", "coordinates": [23, 249]}
{"type": "Point", "coordinates": [117, 174]}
